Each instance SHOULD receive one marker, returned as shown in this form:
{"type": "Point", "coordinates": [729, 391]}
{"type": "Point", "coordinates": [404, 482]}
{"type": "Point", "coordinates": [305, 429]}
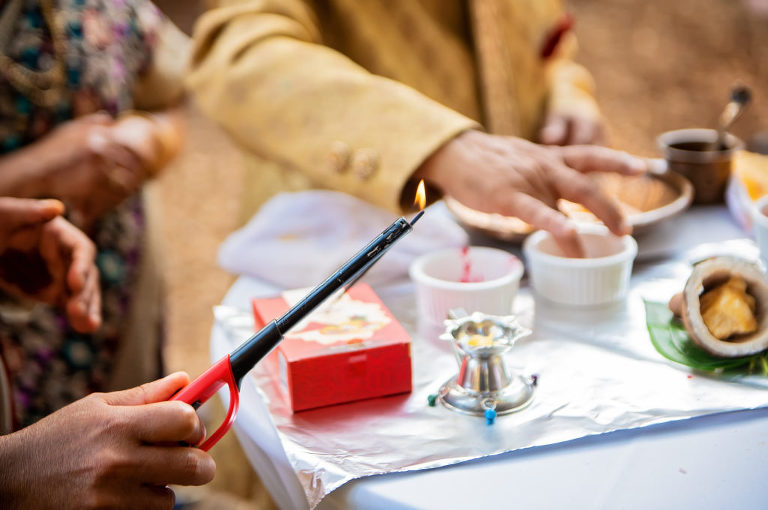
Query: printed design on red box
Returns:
{"type": "Point", "coordinates": [347, 319]}
{"type": "Point", "coordinates": [353, 336]}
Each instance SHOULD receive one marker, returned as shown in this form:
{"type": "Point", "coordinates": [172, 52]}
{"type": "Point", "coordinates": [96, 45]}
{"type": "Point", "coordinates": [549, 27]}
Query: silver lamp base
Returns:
{"type": "Point", "coordinates": [513, 397]}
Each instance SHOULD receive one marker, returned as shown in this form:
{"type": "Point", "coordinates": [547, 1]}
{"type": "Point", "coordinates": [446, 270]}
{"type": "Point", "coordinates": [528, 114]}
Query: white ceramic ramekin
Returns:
{"type": "Point", "coordinates": [601, 277]}
{"type": "Point", "coordinates": [439, 288]}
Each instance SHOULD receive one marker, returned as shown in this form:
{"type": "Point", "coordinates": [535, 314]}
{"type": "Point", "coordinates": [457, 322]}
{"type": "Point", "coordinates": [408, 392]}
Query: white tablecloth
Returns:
{"type": "Point", "coordinates": [707, 462]}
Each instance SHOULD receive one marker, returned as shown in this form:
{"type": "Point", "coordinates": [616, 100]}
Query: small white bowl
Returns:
{"type": "Point", "coordinates": [601, 277]}
{"type": "Point", "coordinates": [495, 279]}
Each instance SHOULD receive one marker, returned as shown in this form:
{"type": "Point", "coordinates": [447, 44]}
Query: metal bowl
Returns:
{"type": "Point", "coordinates": [647, 200]}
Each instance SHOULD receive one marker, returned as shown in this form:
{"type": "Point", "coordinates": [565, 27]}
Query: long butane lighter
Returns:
{"type": "Point", "coordinates": [231, 369]}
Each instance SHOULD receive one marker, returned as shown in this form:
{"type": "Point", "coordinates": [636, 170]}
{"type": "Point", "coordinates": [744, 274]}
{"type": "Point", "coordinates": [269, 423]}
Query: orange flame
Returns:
{"type": "Point", "coordinates": [421, 196]}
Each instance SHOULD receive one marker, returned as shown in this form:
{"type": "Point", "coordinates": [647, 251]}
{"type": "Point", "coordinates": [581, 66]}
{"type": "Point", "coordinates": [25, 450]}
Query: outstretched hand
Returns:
{"type": "Point", "coordinates": [514, 177]}
{"type": "Point", "coordinates": [45, 258]}
{"type": "Point", "coordinates": [84, 163]}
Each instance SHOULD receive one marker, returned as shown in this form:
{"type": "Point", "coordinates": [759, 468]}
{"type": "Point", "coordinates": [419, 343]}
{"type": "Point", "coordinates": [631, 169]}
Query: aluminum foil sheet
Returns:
{"type": "Point", "coordinates": [597, 372]}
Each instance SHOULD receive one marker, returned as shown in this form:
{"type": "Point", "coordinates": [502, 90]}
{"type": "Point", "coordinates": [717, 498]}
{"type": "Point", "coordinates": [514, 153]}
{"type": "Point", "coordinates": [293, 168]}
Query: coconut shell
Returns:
{"type": "Point", "coordinates": [709, 274]}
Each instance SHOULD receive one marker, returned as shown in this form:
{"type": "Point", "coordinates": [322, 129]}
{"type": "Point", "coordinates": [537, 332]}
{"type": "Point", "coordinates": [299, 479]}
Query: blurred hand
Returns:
{"type": "Point", "coordinates": [513, 177]}
{"type": "Point", "coordinates": [44, 257]}
{"type": "Point", "coordinates": [88, 167]}
{"type": "Point", "coordinates": [107, 450]}
{"type": "Point", "coordinates": [564, 129]}
{"type": "Point", "coordinates": [155, 137]}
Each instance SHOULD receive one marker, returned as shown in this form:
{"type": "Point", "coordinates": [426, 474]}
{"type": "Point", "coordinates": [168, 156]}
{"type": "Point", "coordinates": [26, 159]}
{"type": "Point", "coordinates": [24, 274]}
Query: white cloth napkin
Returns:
{"type": "Point", "coordinates": [299, 239]}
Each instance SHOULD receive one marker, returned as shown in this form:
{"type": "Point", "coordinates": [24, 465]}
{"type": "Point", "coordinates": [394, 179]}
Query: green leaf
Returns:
{"type": "Point", "coordinates": [671, 340]}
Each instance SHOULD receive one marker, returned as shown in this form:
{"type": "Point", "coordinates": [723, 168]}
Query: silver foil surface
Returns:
{"type": "Point", "coordinates": [597, 372]}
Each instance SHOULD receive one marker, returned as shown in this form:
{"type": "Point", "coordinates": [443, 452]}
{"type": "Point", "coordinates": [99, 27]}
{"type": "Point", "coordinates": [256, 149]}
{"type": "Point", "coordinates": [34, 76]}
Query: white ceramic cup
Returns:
{"type": "Point", "coordinates": [759, 212]}
{"type": "Point", "coordinates": [601, 277]}
{"type": "Point", "coordinates": [494, 281]}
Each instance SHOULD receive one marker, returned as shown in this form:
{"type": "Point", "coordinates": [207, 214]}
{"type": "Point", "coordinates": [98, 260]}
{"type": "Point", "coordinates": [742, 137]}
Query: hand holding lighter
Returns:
{"type": "Point", "coordinates": [231, 369]}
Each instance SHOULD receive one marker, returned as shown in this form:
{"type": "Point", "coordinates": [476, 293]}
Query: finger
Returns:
{"type": "Point", "coordinates": [590, 158]}
{"type": "Point", "coordinates": [17, 213]}
{"type": "Point", "coordinates": [583, 131]}
{"type": "Point", "coordinates": [55, 258]}
{"type": "Point", "coordinates": [104, 144]}
{"type": "Point", "coordinates": [124, 158]}
{"type": "Point", "coordinates": [555, 130]}
{"type": "Point", "coordinates": [144, 136]}
{"type": "Point", "coordinates": [155, 391]}
{"type": "Point", "coordinates": [69, 255]}
{"type": "Point", "coordinates": [533, 172]}
{"type": "Point", "coordinates": [82, 253]}
{"type": "Point", "coordinates": [84, 309]}
{"type": "Point", "coordinates": [167, 422]}
{"type": "Point", "coordinates": [581, 189]}
{"type": "Point", "coordinates": [94, 290]}
{"type": "Point", "coordinates": [179, 465]}
{"type": "Point", "coordinates": [541, 216]}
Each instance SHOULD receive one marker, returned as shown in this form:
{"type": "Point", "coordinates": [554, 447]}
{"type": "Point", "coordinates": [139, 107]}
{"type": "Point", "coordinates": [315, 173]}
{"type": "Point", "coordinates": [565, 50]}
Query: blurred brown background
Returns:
{"type": "Point", "coordinates": [669, 64]}
{"type": "Point", "coordinates": [658, 64]}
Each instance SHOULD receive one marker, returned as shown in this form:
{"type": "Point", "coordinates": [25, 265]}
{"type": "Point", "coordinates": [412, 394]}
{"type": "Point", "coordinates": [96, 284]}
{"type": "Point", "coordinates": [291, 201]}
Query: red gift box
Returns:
{"type": "Point", "coordinates": [350, 348]}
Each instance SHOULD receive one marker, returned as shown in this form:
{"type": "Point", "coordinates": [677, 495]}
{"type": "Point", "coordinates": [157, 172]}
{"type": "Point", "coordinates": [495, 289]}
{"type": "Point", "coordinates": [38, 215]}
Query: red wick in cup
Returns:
{"type": "Point", "coordinates": [466, 272]}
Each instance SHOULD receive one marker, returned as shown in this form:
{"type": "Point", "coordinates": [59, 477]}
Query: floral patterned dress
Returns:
{"type": "Point", "coordinates": [103, 46]}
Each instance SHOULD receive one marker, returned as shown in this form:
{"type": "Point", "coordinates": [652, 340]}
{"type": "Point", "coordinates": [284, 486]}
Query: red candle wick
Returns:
{"type": "Point", "coordinates": [466, 273]}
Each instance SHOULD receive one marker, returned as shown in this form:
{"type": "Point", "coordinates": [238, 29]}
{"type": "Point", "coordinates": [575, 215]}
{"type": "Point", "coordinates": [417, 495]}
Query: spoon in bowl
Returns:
{"type": "Point", "coordinates": [740, 97]}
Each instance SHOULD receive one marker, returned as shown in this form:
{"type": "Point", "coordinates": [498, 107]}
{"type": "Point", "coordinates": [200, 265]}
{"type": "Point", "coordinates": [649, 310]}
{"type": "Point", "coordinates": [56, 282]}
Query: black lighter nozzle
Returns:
{"type": "Point", "coordinates": [259, 345]}
{"type": "Point", "coordinates": [417, 217]}
{"type": "Point", "coordinates": [346, 275]}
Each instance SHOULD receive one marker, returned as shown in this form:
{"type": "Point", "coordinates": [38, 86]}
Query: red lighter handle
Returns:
{"type": "Point", "coordinates": [204, 387]}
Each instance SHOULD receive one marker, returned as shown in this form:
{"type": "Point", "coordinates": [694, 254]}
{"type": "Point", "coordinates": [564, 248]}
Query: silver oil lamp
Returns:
{"type": "Point", "coordinates": [483, 386]}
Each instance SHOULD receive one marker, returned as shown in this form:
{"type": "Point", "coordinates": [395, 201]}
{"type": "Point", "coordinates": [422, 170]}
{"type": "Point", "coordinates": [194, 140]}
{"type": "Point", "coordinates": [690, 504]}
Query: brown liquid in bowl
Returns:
{"type": "Point", "coordinates": [694, 146]}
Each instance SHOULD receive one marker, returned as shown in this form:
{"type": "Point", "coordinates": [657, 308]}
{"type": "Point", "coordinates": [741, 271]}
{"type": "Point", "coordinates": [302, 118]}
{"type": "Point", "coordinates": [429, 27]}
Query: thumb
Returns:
{"type": "Point", "coordinates": [21, 212]}
{"type": "Point", "coordinates": [155, 391]}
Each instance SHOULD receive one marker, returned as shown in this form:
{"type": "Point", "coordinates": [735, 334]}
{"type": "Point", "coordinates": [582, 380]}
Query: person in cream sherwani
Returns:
{"type": "Point", "coordinates": [367, 96]}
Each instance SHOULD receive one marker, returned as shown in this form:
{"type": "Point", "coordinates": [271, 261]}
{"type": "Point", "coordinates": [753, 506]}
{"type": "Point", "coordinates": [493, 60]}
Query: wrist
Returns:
{"type": "Point", "coordinates": [437, 170]}
{"type": "Point", "coordinates": [433, 168]}
{"type": "Point", "coordinates": [12, 484]}
{"type": "Point", "coordinates": [23, 172]}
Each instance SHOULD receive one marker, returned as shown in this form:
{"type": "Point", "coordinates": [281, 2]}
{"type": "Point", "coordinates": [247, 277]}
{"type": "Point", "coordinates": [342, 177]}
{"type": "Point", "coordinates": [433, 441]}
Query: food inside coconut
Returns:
{"type": "Point", "coordinates": [728, 309]}
{"type": "Point", "coordinates": [724, 307]}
